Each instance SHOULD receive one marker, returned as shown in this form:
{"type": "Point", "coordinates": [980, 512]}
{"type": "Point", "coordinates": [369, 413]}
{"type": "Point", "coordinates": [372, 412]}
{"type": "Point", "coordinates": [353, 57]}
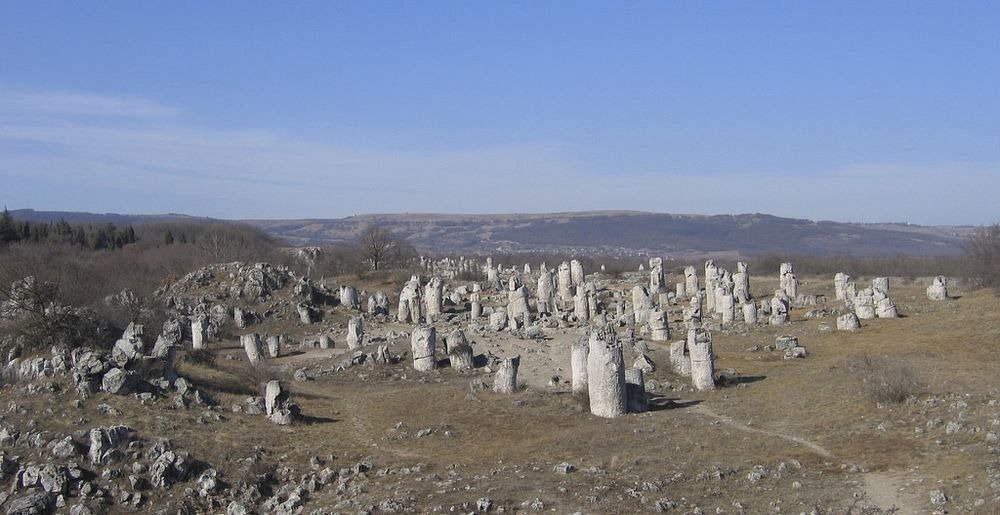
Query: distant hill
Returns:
{"type": "Point", "coordinates": [593, 232]}
{"type": "Point", "coordinates": [77, 217]}
{"type": "Point", "coordinates": [627, 232]}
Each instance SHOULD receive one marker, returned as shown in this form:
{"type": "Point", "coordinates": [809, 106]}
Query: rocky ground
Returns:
{"type": "Point", "coordinates": [132, 429]}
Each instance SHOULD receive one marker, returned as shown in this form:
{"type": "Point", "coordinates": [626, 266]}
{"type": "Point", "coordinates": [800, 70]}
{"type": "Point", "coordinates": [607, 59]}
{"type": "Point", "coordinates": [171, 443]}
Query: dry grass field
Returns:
{"type": "Point", "coordinates": [790, 436]}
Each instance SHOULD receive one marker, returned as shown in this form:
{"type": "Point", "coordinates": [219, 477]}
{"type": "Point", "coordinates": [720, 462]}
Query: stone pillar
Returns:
{"type": "Point", "coordinates": [305, 313]}
{"type": "Point", "coordinates": [239, 318]}
{"type": "Point", "coordinates": [492, 278]}
{"type": "Point", "coordinates": [325, 342]}
{"type": "Point", "coordinates": [578, 364]}
{"type": "Point", "coordinates": [546, 294]}
{"type": "Point", "coordinates": [886, 308]}
{"type": "Point", "coordinates": [581, 306]}
{"type": "Point", "coordinates": [349, 297]}
{"type": "Point", "coordinates": [680, 291]}
{"type": "Point", "coordinates": [720, 291]}
{"type": "Point", "coordinates": [692, 315]}
{"type": "Point", "coordinates": [779, 308]}
{"type": "Point", "coordinates": [378, 304]}
{"type": "Point", "coordinates": [864, 305]}
{"type": "Point", "coordinates": [702, 360]}
{"type": "Point", "coordinates": [840, 280]}
{"type": "Point", "coordinates": [576, 273]}
{"type": "Point", "coordinates": [460, 356]}
{"type": "Point", "coordinates": [656, 279]}
{"type": "Point", "coordinates": [606, 373]}
{"type": "Point", "coordinates": [498, 319]}
{"type": "Point", "coordinates": [728, 307]}
{"type": "Point", "coordinates": [679, 358]}
{"type": "Point", "coordinates": [787, 280]}
{"type": "Point", "coordinates": [741, 286]}
{"type": "Point", "coordinates": [274, 396]}
{"type": "Point", "coordinates": [938, 290]}
{"type": "Point", "coordinates": [850, 291]}
{"type": "Point", "coordinates": [505, 380]}
{"type": "Point", "coordinates": [690, 280]}
{"type": "Point", "coordinates": [433, 298]}
{"type": "Point", "coordinates": [711, 281]}
{"type": "Point", "coordinates": [658, 325]}
{"type": "Point", "coordinates": [455, 338]}
{"type": "Point", "coordinates": [409, 302]}
{"type": "Point", "coordinates": [251, 344]}
{"type": "Point", "coordinates": [475, 308]}
{"type": "Point", "coordinates": [355, 332]}
{"type": "Point", "coordinates": [517, 303]}
{"type": "Point", "coordinates": [198, 335]}
{"type": "Point", "coordinates": [848, 322]}
{"type": "Point", "coordinates": [642, 304]}
{"type": "Point", "coordinates": [635, 391]}
{"type": "Point", "coordinates": [422, 344]}
{"type": "Point", "coordinates": [565, 280]}
{"type": "Point", "coordinates": [274, 346]}
{"type": "Point", "coordinates": [750, 313]}
{"type": "Point", "coordinates": [881, 284]}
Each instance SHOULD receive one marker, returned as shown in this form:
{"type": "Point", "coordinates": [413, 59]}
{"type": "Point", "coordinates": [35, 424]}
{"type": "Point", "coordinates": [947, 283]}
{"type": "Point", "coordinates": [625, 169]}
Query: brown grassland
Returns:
{"type": "Point", "coordinates": [817, 437]}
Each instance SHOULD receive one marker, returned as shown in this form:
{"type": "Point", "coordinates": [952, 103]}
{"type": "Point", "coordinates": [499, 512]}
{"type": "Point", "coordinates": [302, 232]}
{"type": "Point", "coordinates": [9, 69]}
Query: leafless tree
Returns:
{"type": "Point", "coordinates": [376, 243]}
{"type": "Point", "coordinates": [983, 252]}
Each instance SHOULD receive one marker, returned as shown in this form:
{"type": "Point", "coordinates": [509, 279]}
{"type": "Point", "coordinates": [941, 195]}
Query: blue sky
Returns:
{"type": "Point", "coordinates": [867, 111]}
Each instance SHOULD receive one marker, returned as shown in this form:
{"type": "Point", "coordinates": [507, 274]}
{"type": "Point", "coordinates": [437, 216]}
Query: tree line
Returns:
{"type": "Point", "coordinates": [93, 237]}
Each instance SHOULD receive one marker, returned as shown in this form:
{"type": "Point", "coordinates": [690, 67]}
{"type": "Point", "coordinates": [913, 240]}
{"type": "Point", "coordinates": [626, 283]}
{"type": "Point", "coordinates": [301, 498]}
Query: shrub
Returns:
{"type": "Point", "coordinates": [982, 251]}
{"type": "Point", "coordinates": [887, 381]}
{"type": "Point", "coordinates": [202, 357]}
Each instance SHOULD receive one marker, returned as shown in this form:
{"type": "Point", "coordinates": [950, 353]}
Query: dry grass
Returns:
{"type": "Point", "coordinates": [885, 380]}
{"type": "Point", "coordinates": [504, 446]}
{"type": "Point", "coordinates": [199, 357]}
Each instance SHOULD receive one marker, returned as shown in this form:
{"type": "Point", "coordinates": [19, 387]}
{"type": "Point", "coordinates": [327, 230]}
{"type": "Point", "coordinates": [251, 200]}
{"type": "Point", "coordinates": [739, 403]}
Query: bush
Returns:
{"type": "Point", "coordinates": [202, 357]}
{"type": "Point", "coordinates": [886, 381]}
{"type": "Point", "coordinates": [858, 266]}
{"type": "Point", "coordinates": [982, 251]}
{"type": "Point", "coordinates": [256, 375]}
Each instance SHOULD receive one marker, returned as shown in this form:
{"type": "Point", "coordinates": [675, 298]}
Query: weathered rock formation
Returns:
{"type": "Point", "coordinates": [422, 346]}
{"type": "Point", "coordinates": [606, 373]}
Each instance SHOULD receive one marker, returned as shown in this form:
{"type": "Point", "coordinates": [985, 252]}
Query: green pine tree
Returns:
{"type": "Point", "coordinates": [8, 232]}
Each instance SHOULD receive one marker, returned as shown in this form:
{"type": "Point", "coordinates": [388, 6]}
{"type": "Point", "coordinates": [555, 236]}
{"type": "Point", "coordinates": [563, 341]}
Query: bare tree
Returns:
{"type": "Point", "coordinates": [983, 252]}
{"type": "Point", "coordinates": [376, 243]}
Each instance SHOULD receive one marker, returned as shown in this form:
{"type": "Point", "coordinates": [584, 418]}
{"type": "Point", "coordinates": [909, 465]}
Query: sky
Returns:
{"type": "Point", "coordinates": [849, 111]}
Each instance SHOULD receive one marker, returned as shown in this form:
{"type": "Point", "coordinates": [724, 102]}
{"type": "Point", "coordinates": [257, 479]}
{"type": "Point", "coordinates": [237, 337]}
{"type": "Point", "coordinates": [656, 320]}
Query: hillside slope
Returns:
{"type": "Point", "coordinates": [614, 232]}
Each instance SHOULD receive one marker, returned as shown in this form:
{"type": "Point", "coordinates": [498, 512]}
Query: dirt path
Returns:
{"type": "Point", "coordinates": [702, 410]}
{"type": "Point", "coordinates": [883, 490]}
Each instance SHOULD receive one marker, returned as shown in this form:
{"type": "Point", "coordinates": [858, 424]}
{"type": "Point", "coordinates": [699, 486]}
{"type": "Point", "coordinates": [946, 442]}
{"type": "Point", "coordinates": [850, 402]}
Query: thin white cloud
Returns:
{"type": "Point", "coordinates": [22, 102]}
{"type": "Point", "coordinates": [81, 156]}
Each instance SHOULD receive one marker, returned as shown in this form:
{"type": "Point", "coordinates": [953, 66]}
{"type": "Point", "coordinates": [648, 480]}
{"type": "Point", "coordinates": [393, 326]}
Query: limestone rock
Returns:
{"type": "Point", "coordinates": [848, 322]}
{"type": "Point", "coordinates": [505, 380]}
{"type": "Point", "coordinates": [349, 297]}
{"type": "Point", "coordinates": [606, 373]}
{"type": "Point", "coordinates": [578, 365]}
{"type": "Point", "coordinates": [410, 304]}
{"type": "Point", "coordinates": [433, 299]}
{"type": "Point", "coordinates": [251, 344]}
{"type": "Point", "coordinates": [659, 331]}
{"type": "Point", "coordinates": [378, 304]}
{"type": "Point", "coordinates": [635, 391]}
{"type": "Point", "coordinates": [679, 358]}
{"type": "Point", "coordinates": [702, 359]}
{"type": "Point", "coordinates": [355, 332]}
{"type": "Point", "coordinates": [422, 346]}
{"type": "Point", "coordinates": [460, 356]}
{"type": "Point", "coordinates": [938, 290]}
